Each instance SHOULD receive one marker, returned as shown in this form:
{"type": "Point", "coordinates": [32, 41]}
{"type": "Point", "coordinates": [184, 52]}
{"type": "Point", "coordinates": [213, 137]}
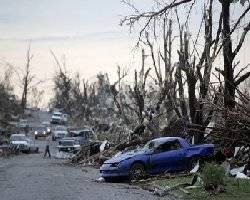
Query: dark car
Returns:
{"type": "Point", "coordinates": [69, 144]}
{"type": "Point", "coordinates": [48, 126]}
{"type": "Point", "coordinates": [166, 154]}
{"type": "Point", "coordinates": [40, 132]}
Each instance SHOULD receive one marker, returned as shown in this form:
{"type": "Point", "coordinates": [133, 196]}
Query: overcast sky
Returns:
{"type": "Point", "coordinates": [87, 32]}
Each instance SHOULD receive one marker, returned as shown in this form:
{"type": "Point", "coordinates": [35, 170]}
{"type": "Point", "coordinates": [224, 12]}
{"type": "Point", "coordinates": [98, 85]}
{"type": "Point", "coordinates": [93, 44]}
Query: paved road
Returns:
{"type": "Point", "coordinates": [31, 177]}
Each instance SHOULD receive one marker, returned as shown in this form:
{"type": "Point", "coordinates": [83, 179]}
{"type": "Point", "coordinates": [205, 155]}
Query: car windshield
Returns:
{"type": "Point", "coordinates": [57, 115]}
{"type": "Point", "coordinates": [61, 128]}
{"type": "Point", "coordinates": [18, 138]}
{"type": "Point", "coordinates": [40, 128]}
{"type": "Point", "coordinates": [149, 146]}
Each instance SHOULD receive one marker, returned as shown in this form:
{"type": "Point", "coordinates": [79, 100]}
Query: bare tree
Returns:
{"type": "Point", "coordinates": [36, 97]}
{"type": "Point", "coordinates": [27, 79]}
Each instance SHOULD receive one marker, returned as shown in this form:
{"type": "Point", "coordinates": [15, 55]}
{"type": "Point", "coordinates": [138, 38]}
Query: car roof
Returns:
{"type": "Point", "coordinates": [23, 135]}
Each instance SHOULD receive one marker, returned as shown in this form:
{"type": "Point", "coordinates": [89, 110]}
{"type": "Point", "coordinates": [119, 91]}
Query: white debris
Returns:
{"type": "Point", "coordinates": [236, 150]}
{"type": "Point", "coordinates": [103, 145]}
{"type": "Point", "coordinates": [193, 187]}
{"type": "Point", "coordinates": [118, 154]}
{"type": "Point", "coordinates": [193, 140]}
{"type": "Point", "coordinates": [234, 171]}
{"type": "Point", "coordinates": [209, 128]}
{"type": "Point", "coordinates": [226, 166]}
{"type": "Point", "coordinates": [196, 168]}
{"type": "Point", "coordinates": [240, 175]}
{"type": "Point", "coordinates": [100, 180]}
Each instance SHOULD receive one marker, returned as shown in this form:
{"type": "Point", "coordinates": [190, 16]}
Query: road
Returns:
{"type": "Point", "coordinates": [32, 177]}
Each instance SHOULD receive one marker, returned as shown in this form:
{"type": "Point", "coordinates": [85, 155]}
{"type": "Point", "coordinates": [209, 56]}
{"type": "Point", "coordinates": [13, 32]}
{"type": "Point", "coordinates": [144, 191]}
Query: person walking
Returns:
{"type": "Point", "coordinates": [47, 151]}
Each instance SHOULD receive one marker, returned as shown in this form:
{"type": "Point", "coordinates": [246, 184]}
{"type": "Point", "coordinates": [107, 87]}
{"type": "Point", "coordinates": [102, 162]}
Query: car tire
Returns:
{"type": "Point", "coordinates": [35, 137]}
{"type": "Point", "coordinates": [53, 139]}
{"type": "Point", "coordinates": [137, 171]}
{"type": "Point", "coordinates": [37, 150]}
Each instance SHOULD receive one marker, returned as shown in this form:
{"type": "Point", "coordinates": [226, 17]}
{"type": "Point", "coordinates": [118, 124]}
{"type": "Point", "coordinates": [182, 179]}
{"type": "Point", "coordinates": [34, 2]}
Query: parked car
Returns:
{"type": "Point", "coordinates": [56, 118]}
{"type": "Point", "coordinates": [69, 144]}
{"type": "Point", "coordinates": [23, 143]}
{"type": "Point", "coordinates": [48, 126]}
{"type": "Point", "coordinates": [166, 154]}
{"type": "Point", "coordinates": [40, 132]}
{"type": "Point", "coordinates": [83, 135]}
{"type": "Point", "coordinates": [59, 132]}
{"type": "Point", "coordinates": [23, 123]}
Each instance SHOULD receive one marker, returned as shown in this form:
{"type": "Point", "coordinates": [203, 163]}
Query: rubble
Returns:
{"type": "Point", "coordinates": [100, 180]}
{"type": "Point", "coordinates": [196, 168]}
{"type": "Point", "coordinates": [240, 175]}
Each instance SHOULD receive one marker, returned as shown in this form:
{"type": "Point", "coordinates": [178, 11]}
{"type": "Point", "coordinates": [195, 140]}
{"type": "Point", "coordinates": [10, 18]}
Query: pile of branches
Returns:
{"type": "Point", "coordinates": [232, 126]}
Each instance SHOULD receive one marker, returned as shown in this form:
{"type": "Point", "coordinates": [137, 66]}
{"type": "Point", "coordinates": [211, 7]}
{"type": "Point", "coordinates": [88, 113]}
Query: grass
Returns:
{"type": "Point", "coordinates": [235, 189]}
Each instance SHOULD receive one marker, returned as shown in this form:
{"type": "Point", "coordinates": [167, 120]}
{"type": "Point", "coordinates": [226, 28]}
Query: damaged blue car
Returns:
{"type": "Point", "coordinates": [161, 155]}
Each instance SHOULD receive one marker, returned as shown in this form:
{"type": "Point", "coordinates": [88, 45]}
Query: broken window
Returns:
{"type": "Point", "coordinates": [169, 146]}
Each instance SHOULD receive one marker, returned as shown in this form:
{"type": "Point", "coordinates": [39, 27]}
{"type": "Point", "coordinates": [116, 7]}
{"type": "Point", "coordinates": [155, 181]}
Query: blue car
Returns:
{"type": "Point", "coordinates": [161, 155]}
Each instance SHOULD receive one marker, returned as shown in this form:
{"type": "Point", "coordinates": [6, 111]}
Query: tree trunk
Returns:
{"type": "Point", "coordinates": [229, 90]}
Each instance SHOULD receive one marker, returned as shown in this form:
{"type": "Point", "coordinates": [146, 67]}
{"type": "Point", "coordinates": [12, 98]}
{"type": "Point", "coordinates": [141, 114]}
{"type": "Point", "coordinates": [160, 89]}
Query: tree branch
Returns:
{"type": "Point", "coordinates": [243, 36]}
{"type": "Point", "coordinates": [242, 78]}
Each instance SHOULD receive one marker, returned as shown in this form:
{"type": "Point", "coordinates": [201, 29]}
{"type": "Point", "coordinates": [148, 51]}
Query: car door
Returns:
{"type": "Point", "coordinates": [167, 157]}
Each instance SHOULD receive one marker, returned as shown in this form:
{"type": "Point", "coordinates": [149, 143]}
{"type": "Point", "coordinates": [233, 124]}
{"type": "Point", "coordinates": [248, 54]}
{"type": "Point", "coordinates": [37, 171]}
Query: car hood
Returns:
{"type": "Point", "coordinates": [124, 156]}
{"type": "Point", "coordinates": [19, 142]}
{"type": "Point", "coordinates": [55, 117]}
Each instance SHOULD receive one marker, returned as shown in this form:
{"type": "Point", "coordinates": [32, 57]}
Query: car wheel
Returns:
{"type": "Point", "coordinates": [53, 138]}
{"type": "Point", "coordinates": [37, 150]}
{"type": "Point", "coordinates": [35, 137]}
{"type": "Point", "coordinates": [137, 171]}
